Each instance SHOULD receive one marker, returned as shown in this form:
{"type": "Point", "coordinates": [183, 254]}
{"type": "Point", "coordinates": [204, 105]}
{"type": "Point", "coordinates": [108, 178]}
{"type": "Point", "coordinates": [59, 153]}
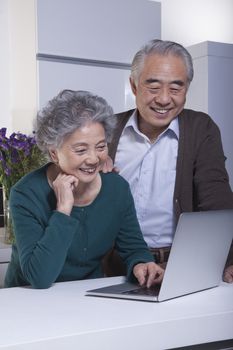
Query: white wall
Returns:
{"type": "Point", "coordinates": [5, 116]}
{"type": "Point", "coordinates": [192, 21]}
{"type": "Point", "coordinates": [23, 63]}
{"type": "Point", "coordinates": [17, 64]}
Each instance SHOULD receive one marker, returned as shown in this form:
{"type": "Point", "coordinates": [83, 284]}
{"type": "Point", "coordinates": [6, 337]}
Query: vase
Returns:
{"type": "Point", "coordinates": [8, 227]}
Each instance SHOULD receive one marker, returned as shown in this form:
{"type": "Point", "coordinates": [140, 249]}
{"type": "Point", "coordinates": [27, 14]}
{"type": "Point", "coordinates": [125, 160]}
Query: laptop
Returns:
{"type": "Point", "coordinates": [196, 262]}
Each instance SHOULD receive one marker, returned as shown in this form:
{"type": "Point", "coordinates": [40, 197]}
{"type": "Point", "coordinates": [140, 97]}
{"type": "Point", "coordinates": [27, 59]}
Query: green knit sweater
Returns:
{"type": "Point", "coordinates": [51, 246]}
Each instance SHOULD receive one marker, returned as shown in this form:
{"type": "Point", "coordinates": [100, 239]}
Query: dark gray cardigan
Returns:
{"type": "Point", "coordinates": [202, 181]}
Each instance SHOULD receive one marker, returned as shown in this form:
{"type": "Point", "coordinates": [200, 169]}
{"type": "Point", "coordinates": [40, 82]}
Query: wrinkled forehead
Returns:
{"type": "Point", "coordinates": [163, 67]}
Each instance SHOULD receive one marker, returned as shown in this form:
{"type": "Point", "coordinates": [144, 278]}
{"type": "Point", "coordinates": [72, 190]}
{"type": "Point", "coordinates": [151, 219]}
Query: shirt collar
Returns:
{"type": "Point", "coordinates": [133, 123]}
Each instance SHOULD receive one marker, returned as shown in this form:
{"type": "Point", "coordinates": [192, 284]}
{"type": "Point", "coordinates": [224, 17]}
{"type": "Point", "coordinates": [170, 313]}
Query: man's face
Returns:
{"type": "Point", "coordinates": [160, 92]}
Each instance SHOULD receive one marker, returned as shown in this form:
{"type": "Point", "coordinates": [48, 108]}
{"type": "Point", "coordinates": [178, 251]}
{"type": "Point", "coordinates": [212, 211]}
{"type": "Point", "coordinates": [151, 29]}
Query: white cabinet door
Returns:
{"type": "Point", "coordinates": [110, 30]}
{"type": "Point", "coordinates": [110, 83]}
{"type": "Point", "coordinates": [89, 45]}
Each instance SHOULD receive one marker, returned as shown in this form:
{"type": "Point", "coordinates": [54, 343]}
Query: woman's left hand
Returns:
{"type": "Point", "coordinates": [148, 273]}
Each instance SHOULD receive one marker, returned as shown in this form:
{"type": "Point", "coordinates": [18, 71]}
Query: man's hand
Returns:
{"type": "Point", "coordinates": [148, 273]}
{"type": "Point", "coordinates": [108, 166]}
{"type": "Point", "coordinates": [228, 274]}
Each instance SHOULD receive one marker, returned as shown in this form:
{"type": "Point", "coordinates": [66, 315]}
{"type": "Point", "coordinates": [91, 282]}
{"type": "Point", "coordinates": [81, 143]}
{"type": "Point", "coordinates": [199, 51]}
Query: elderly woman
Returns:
{"type": "Point", "coordinates": [68, 214]}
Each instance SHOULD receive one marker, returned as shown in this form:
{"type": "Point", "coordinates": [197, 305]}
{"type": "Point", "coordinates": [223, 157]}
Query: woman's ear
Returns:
{"type": "Point", "coordinates": [53, 155]}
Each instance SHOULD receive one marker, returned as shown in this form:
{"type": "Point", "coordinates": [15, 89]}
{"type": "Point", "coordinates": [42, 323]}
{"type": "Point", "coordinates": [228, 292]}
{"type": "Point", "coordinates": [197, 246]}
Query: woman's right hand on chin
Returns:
{"type": "Point", "coordinates": [64, 186]}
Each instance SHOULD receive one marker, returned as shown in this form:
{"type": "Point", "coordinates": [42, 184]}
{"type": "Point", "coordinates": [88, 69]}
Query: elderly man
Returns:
{"type": "Point", "coordinates": [172, 157]}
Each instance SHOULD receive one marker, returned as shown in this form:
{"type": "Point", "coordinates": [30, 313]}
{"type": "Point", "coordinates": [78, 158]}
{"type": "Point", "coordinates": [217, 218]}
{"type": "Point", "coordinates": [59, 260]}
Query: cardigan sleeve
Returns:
{"type": "Point", "coordinates": [212, 190]}
{"type": "Point", "coordinates": [42, 247]}
{"type": "Point", "coordinates": [211, 181]}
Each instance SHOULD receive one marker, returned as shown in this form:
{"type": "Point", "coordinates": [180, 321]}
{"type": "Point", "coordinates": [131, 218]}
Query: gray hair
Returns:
{"type": "Point", "coordinates": [68, 111]}
{"type": "Point", "coordinates": [161, 47]}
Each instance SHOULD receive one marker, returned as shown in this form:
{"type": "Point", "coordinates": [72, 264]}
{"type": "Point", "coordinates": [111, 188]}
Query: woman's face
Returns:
{"type": "Point", "coordinates": [82, 153]}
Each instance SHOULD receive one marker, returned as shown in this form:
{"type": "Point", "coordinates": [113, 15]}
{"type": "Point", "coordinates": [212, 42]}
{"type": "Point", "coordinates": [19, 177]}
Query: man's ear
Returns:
{"type": "Point", "coordinates": [53, 155]}
{"type": "Point", "coordinates": [133, 86]}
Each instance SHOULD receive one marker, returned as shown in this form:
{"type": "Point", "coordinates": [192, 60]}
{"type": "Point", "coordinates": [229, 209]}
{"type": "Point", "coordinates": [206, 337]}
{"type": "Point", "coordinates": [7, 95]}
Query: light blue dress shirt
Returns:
{"type": "Point", "coordinates": [150, 169]}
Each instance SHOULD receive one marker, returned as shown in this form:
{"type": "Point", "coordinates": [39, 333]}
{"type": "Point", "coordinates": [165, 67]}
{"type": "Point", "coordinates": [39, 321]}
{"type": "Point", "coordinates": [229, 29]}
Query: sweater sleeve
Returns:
{"type": "Point", "coordinates": [212, 189]}
{"type": "Point", "coordinates": [42, 246]}
{"type": "Point", "coordinates": [130, 242]}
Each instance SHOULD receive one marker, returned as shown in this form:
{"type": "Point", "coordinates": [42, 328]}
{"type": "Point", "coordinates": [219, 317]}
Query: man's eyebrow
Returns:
{"type": "Point", "coordinates": [153, 80]}
{"type": "Point", "coordinates": [178, 82]}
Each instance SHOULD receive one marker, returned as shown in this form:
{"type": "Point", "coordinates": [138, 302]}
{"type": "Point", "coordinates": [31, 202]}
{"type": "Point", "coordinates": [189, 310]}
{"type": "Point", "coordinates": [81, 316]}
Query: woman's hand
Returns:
{"type": "Point", "coordinates": [148, 273]}
{"type": "Point", "coordinates": [63, 187]}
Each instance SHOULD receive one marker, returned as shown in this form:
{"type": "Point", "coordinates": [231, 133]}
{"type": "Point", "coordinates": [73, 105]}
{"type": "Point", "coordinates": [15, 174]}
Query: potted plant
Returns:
{"type": "Point", "coordinates": [19, 155]}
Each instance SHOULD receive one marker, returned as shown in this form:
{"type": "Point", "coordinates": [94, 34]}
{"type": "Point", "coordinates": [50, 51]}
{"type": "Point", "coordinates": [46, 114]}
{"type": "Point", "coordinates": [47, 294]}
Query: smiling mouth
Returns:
{"type": "Point", "coordinates": [160, 110]}
{"type": "Point", "coordinates": [88, 171]}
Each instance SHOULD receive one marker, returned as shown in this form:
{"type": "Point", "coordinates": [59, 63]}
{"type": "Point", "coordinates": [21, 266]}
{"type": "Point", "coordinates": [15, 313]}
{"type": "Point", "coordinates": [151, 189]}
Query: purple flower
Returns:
{"type": "Point", "coordinates": [3, 132]}
{"type": "Point", "coordinates": [14, 156]}
{"type": "Point", "coordinates": [32, 140]}
{"type": "Point", "coordinates": [12, 135]}
{"type": "Point", "coordinates": [19, 155]}
{"type": "Point", "coordinates": [19, 145]}
{"type": "Point", "coordinates": [4, 146]}
{"type": "Point", "coordinates": [27, 151]}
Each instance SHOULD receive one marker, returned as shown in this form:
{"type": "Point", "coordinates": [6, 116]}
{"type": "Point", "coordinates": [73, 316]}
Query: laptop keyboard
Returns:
{"type": "Point", "coordinates": [152, 291]}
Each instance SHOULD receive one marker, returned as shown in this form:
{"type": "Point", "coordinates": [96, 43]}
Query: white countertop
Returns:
{"type": "Point", "coordinates": [62, 317]}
